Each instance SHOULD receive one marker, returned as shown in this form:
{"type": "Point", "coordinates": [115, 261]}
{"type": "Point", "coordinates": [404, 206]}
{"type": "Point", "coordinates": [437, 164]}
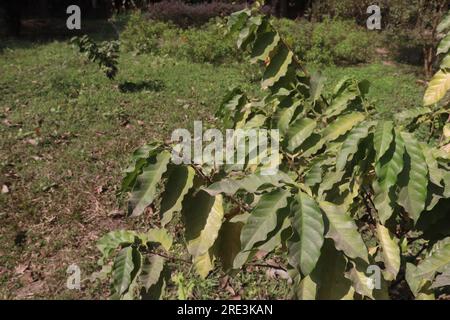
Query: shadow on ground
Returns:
{"type": "Point", "coordinates": [41, 31]}
{"type": "Point", "coordinates": [151, 85]}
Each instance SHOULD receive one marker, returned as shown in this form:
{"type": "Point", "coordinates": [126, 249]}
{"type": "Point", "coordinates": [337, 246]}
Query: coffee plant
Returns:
{"type": "Point", "coordinates": [353, 194]}
{"type": "Point", "coordinates": [434, 112]}
{"type": "Point", "coordinates": [104, 54]}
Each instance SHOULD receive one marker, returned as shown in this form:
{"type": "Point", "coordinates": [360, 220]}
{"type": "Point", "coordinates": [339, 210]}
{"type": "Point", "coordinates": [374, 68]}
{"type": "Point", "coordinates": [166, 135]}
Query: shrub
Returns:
{"type": "Point", "coordinates": [205, 43]}
{"type": "Point", "coordinates": [297, 34]}
{"type": "Point", "coordinates": [143, 36]}
{"type": "Point", "coordinates": [329, 42]}
{"type": "Point", "coordinates": [354, 196]}
{"type": "Point", "coordinates": [186, 15]}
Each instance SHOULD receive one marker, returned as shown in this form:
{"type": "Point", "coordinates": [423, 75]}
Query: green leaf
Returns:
{"type": "Point", "coordinates": [180, 182]}
{"type": "Point", "coordinates": [314, 175]}
{"type": "Point", "coordinates": [299, 131]}
{"type": "Point", "coordinates": [155, 291]}
{"type": "Point", "coordinates": [383, 138]}
{"type": "Point", "coordinates": [139, 160]}
{"type": "Point", "coordinates": [390, 251]}
{"type": "Point", "coordinates": [436, 175]}
{"type": "Point", "coordinates": [350, 145]}
{"type": "Point", "coordinates": [410, 114]}
{"type": "Point", "coordinates": [344, 232]}
{"type": "Point", "coordinates": [122, 270]}
{"type": "Point", "coordinates": [112, 240]}
{"type": "Point", "coordinates": [284, 118]}
{"type": "Point", "coordinates": [444, 45]}
{"type": "Point", "coordinates": [144, 192]}
{"type": "Point", "coordinates": [265, 43]}
{"type": "Point", "coordinates": [203, 219]}
{"type": "Point", "coordinates": [341, 126]}
{"type": "Point", "coordinates": [151, 271]}
{"type": "Point", "coordinates": [160, 236]}
{"type": "Point", "coordinates": [360, 281]}
{"type": "Point", "coordinates": [306, 289]}
{"type": "Point", "coordinates": [238, 19]}
{"type": "Point", "coordinates": [329, 275]}
{"type": "Point", "coordinates": [444, 24]}
{"type": "Point", "coordinates": [437, 88]}
{"type": "Point", "coordinates": [442, 280]}
{"type": "Point", "coordinates": [437, 261]}
{"type": "Point", "coordinates": [246, 35]}
{"type": "Point", "coordinates": [345, 93]}
{"type": "Point", "coordinates": [263, 218]}
{"type": "Point", "coordinates": [250, 183]}
{"type": "Point", "coordinates": [308, 226]}
{"type": "Point", "coordinates": [277, 67]}
{"type": "Point", "coordinates": [413, 195]}
{"type": "Point", "coordinates": [388, 169]}
{"type": "Point", "coordinates": [203, 264]}
{"type": "Point", "coordinates": [317, 83]}
{"type": "Point", "coordinates": [229, 243]}
{"type": "Point", "coordinates": [413, 281]}
{"type": "Point", "coordinates": [445, 64]}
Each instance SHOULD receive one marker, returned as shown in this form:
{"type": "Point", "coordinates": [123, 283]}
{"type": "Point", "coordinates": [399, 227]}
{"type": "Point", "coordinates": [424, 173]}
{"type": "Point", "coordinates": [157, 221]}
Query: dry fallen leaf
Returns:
{"type": "Point", "coordinates": [5, 189]}
{"type": "Point", "coordinates": [20, 269]}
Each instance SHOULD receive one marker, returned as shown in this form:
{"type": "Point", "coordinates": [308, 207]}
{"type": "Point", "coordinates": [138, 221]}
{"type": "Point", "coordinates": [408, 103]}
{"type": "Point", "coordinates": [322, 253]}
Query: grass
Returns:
{"type": "Point", "coordinates": [66, 133]}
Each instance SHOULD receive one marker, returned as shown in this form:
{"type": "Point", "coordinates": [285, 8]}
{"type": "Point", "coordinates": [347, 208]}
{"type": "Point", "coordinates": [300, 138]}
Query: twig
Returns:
{"type": "Point", "coordinates": [170, 258]}
{"type": "Point", "coordinates": [266, 266]}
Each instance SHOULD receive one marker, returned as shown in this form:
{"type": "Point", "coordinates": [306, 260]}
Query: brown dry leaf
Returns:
{"type": "Point", "coordinates": [33, 142]}
{"type": "Point", "coordinates": [20, 269]}
{"type": "Point", "coordinates": [30, 290]}
{"type": "Point", "coordinates": [230, 290]}
{"type": "Point", "coordinates": [223, 282]}
{"type": "Point", "coordinates": [273, 273]}
{"type": "Point", "coordinates": [100, 189]}
{"type": "Point", "coordinates": [5, 189]}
